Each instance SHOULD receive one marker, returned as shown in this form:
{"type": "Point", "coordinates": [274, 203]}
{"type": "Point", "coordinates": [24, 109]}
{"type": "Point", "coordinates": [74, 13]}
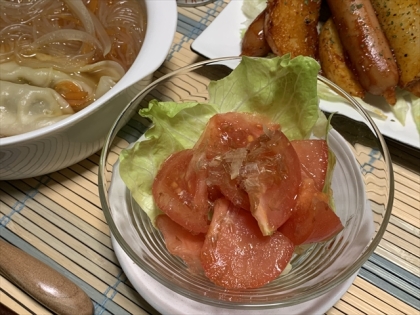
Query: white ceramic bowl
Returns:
{"type": "Point", "coordinates": [73, 139]}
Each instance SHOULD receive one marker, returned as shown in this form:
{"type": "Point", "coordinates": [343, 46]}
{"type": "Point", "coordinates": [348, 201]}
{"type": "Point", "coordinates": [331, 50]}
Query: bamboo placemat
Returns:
{"type": "Point", "coordinates": [58, 219]}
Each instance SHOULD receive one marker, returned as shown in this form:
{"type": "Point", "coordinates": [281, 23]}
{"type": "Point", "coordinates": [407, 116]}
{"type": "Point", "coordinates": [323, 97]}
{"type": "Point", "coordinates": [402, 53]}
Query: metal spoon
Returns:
{"type": "Point", "coordinates": [46, 285]}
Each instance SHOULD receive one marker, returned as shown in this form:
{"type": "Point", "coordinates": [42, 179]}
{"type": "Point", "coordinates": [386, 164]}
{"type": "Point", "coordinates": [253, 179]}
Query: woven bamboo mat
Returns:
{"type": "Point", "coordinates": [58, 219]}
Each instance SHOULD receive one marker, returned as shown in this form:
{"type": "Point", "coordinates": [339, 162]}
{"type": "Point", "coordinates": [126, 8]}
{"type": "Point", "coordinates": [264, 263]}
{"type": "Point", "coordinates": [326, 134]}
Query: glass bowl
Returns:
{"type": "Point", "coordinates": [362, 184]}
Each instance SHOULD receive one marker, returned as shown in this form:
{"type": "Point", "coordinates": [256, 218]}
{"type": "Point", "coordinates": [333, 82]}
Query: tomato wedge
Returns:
{"type": "Point", "coordinates": [326, 222]}
{"type": "Point", "coordinates": [184, 200]}
{"type": "Point", "coordinates": [181, 242]}
{"type": "Point", "coordinates": [223, 174]}
{"type": "Point", "coordinates": [232, 130]}
{"type": "Point", "coordinates": [236, 255]}
{"type": "Point", "coordinates": [300, 225]}
{"type": "Point", "coordinates": [271, 176]}
{"type": "Point", "coordinates": [227, 132]}
{"type": "Point", "coordinates": [313, 156]}
{"type": "Point", "coordinates": [313, 220]}
{"type": "Point", "coordinates": [264, 194]}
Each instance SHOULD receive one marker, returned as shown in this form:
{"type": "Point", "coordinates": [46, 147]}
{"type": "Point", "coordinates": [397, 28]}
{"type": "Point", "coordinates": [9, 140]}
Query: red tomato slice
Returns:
{"type": "Point", "coordinates": [183, 200]}
{"type": "Point", "coordinates": [313, 220]}
{"type": "Point", "coordinates": [235, 254]}
{"type": "Point", "coordinates": [231, 130]}
{"type": "Point", "coordinates": [326, 223]}
{"type": "Point", "coordinates": [300, 225]}
{"type": "Point", "coordinates": [220, 176]}
{"type": "Point", "coordinates": [271, 176]}
{"type": "Point", "coordinates": [181, 242]}
{"type": "Point", "coordinates": [227, 132]}
{"type": "Point", "coordinates": [214, 193]}
{"type": "Point", "coordinates": [313, 156]}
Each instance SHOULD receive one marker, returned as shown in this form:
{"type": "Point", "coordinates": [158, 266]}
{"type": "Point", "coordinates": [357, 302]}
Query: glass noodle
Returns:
{"type": "Point", "coordinates": [32, 32]}
{"type": "Point", "coordinates": [70, 51]}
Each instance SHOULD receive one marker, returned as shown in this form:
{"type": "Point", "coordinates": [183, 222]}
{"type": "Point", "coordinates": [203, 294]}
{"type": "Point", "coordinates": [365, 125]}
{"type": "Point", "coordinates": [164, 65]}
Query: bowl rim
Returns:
{"type": "Point", "coordinates": [324, 289]}
{"type": "Point", "coordinates": [160, 14]}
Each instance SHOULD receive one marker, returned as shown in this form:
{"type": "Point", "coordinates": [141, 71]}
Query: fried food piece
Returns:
{"type": "Point", "coordinates": [291, 27]}
{"type": "Point", "coordinates": [333, 61]}
{"type": "Point", "coordinates": [254, 43]}
{"type": "Point", "coordinates": [414, 88]}
{"type": "Point", "coordinates": [400, 21]}
{"type": "Point", "coordinates": [366, 46]}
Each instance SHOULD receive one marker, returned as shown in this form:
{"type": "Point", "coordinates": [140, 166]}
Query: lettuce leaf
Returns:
{"type": "Point", "coordinates": [325, 93]}
{"type": "Point", "coordinates": [251, 9]}
{"type": "Point", "coordinates": [415, 111]}
{"type": "Point", "coordinates": [281, 88]}
{"type": "Point", "coordinates": [400, 109]}
{"type": "Point", "coordinates": [175, 127]}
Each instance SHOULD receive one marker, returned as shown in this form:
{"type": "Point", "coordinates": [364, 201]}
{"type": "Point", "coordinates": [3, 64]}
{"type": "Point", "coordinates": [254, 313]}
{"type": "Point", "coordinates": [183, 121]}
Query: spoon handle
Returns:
{"type": "Point", "coordinates": [46, 285]}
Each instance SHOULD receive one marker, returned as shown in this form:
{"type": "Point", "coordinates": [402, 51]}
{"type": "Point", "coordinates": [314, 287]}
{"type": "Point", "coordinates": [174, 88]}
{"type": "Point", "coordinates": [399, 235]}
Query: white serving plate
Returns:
{"type": "Point", "coordinates": [222, 38]}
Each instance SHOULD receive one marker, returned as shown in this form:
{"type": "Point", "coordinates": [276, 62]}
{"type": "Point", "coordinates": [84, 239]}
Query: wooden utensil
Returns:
{"type": "Point", "coordinates": [43, 283]}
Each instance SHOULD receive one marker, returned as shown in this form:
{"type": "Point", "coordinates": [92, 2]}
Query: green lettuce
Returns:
{"type": "Point", "coordinates": [251, 9]}
{"type": "Point", "coordinates": [415, 111]}
{"type": "Point", "coordinates": [282, 88]}
{"type": "Point", "coordinates": [325, 93]}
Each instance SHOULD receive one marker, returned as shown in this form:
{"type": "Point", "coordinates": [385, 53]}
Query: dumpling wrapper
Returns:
{"type": "Point", "coordinates": [88, 78]}
{"type": "Point", "coordinates": [28, 100]}
{"type": "Point", "coordinates": [25, 108]}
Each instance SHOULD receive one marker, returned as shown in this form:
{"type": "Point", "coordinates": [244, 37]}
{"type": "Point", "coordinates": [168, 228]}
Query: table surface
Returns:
{"type": "Point", "coordinates": [58, 219]}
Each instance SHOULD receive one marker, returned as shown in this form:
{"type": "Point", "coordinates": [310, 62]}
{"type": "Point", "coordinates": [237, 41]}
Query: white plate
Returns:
{"type": "Point", "coordinates": [222, 38]}
{"type": "Point", "coordinates": [166, 301]}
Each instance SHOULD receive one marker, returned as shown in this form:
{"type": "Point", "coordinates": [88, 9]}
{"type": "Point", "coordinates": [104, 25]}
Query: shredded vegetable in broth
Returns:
{"type": "Point", "coordinates": [77, 49]}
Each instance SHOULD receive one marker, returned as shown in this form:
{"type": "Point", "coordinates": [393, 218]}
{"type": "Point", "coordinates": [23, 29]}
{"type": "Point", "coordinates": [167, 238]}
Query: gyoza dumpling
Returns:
{"type": "Point", "coordinates": [24, 108]}
{"type": "Point", "coordinates": [78, 89]}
